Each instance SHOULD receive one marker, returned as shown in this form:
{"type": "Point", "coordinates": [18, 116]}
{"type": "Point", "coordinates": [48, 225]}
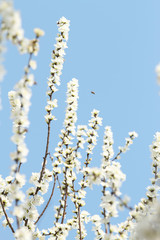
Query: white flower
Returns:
{"type": "Point", "coordinates": [152, 191]}
{"type": "Point", "coordinates": [39, 32]}
{"type": "Point", "coordinates": [133, 134]}
{"type": "Point", "coordinates": [33, 64]}
{"type": "Point", "coordinates": [18, 211]}
{"type": "Point", "coordinates": [94, 176]}
{"type": "Point", "coordinates": [8, 179]}
{"type": "Point", "coordinates": [34, 178]}
{"type": "Point", "coordinates": [49, 117]}
{"type": "Point", "coordinates": [19, 195]}
{"type": "Point", "coordinates": [20, 179]}
{"type": "Point", "coordinates": [23, 234]}
{"type": "Point", "coordinates": [51, 104]}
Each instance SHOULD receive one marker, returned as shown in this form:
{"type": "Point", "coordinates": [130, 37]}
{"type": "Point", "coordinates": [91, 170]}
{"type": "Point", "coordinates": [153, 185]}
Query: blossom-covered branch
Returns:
{"type": "Point", "coordinates": [71, 172]}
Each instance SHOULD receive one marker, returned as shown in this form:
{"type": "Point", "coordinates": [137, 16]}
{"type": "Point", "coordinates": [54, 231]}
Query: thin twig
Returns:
{"type": "Point", "coordinates": [43, 166]}
{"type": "Point", "coordinates": [65, 204]}
{"type": "Point", "coordinates": [4, 211]}
{"type": "Point", "coordinates": [45, 157]}
{"type": "Point", "coordinates": [18, 169]}
{"type": "Point", "coordinates": [63, 195]}
{"type": "Point", "coordinates": [109, 227]}
{"type": "Point", "coordinates": [104, 210]}
{"type": "Point", "coordinates": [78, 213]}
{"type": "Point", "coordinates": [116, 157]}
{"type": "Point", "coordinates": [17, 218]}
{"type": "Point", "coordinates": [55, 178]}
{"type": "Point", "coordinates": [59, 184]}
{"type": "Point", "coordinates": [121, 200]}
{"type": "Point", "coordinates": [86, 163]}
{"type": "Point", "coordinates": [155, 172]}
{"type": "Point", "coordinates": [79, 223]}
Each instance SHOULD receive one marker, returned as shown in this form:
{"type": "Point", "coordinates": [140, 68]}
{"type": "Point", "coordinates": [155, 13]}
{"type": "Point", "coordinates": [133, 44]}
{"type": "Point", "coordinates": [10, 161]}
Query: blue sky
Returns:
{"type": "Point", "coordinates": [113, 49]}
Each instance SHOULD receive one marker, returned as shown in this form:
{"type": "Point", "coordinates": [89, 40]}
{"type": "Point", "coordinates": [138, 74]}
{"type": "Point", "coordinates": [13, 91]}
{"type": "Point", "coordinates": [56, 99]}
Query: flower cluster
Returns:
{"type": "Point", "coordinates": [11, 29]}
{"type": "Point", "coordinates": [57, 66]}
{"type": "Point", "coordinates": [148, 226]}
{"type": "Point", "coordinates": [97, 221]}
{"type": "Point", "coordinates": [20, 103]}
{"type": "Point", "coordinates": [92, 133]}
{"type": "Point", "coordinates": [155, 154]}
{"type": "Point", "coordinates": [65, 151]}
{"type": "Point", "coordinates": [72, 104]}
{"type": "Point", "coordinates": [11, 24]}
{"type": "Point", "coordinates": [143, 212]}
{"type": "Point", "coordinates": [69, 123]}
{"type": "Point", "coordinates": [110, 177]}
{"type": "Point", "coordinates": [111, 182]}
{"type": "Point", "coordinates": [129, 141]}
{"type": "Point", "coordinates": [107, 147]}
{"type": "Point", "coordinates": [80, 134]}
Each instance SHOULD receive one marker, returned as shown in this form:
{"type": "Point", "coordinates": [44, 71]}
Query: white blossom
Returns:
{"type": "Point", "coordinates": [23, 234]}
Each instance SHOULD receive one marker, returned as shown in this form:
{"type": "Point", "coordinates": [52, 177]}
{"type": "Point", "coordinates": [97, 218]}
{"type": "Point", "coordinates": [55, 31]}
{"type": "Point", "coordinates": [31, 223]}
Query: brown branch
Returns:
{"type": "Point", "coordinates": [79, 223]}
{"type": "Point", "coordinates": [109, 227]}
{"type": "Point", "coordinates": [55, 178]}
{"type": "Point", "coordinates": [18, 169]}
{"type": "Point", "coordinates": [44, 164]}
{"type": "Point", "coordinates": [58, 212]}
{"type": "Point", "coordinates": [17, 218]}
{"type": "Point", "coordinates": [59, 185]}
{"type": "Point", "coordinates": [28, 65]}
{"type": "Point", "coordinates": [45, 157]}
{"type": "Point", "coordinates": [121, 200]}
{"type": "Point", "coordinates": [155, 172]}
{"type": "Point", "coordinates": [60, 207]}
{"type": "Point", "coordinates": [116, 157]}
{"type": "Point", "coordinates": [104, 210]}
{"type": "Point", "coordinates": [78, 213]}
{"type": "Point", "coordinates": [4, 211]}
{"type": "Point", "coordinates": [63, 195]}
{"type": "Point", "coordinates": [65, 204]}
{"type": "Point", "coordinates": [86, 163]}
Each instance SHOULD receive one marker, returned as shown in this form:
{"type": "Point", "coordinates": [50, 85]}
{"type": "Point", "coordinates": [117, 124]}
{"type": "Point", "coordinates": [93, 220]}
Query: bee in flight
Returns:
{"type": "Point", "coordinates": [92, 92]}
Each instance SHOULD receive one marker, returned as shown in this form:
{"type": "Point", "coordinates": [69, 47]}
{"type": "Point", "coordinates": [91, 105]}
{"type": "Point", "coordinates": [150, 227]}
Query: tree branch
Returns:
{"type": "Point", "coordinates": [79, 223]}
{"type": "Point", "coordinates": [45, 157]}
{"type": "Point", "coordinates": [4, 211]}
{"type": "Point", "coordinates": [65, 204]}
{"type": "Point", "coordinates": [55, 178]}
